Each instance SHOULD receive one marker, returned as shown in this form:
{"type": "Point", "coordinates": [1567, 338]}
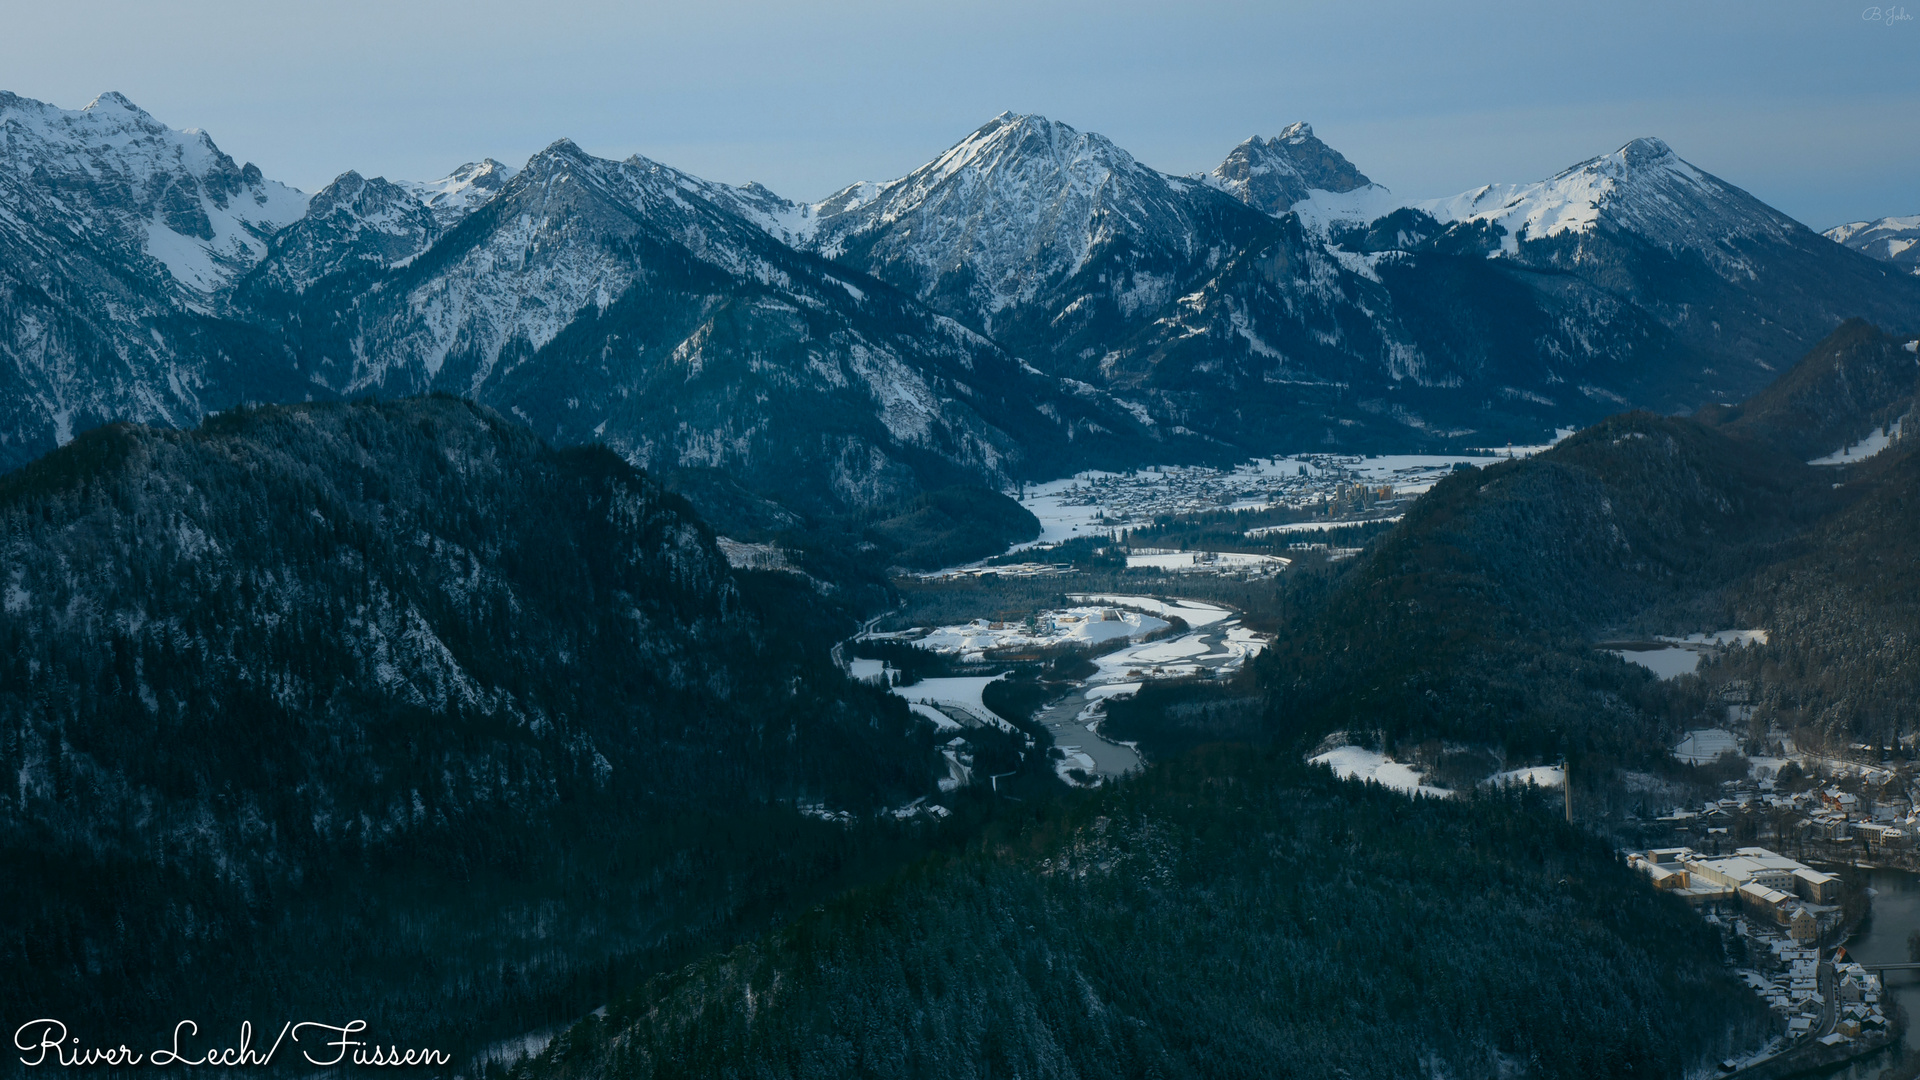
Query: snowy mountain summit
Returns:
{"type": "Point", "coordinates": [352, 221]}
{"type": "Point", "coordinates": [138, 192]}
{"type": "Point", "coordinates": [1643, 189]}
{"type": "Point", "coordinates": [462, 191]}
{"type": "Point", "coordinates": [1020, 205]}
{"type": "Point", "coordinates": [1274, 174]}
{"type": "Point", "coordinates": [1032, 301]}
{"type": "Point", "coordinates": [1893, 239]}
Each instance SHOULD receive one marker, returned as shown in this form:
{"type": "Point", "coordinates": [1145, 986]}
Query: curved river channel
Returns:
{"type": "Point", "coordinates": [1882, 939]}
{"type": "Point", "coordinates": [1214, 643]}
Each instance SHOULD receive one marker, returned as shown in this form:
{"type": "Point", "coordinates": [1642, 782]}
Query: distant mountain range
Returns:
{"type": "Point", "coordinates": [1894, 239]}
{"type": "Point", "coordinates": [1032, 302]}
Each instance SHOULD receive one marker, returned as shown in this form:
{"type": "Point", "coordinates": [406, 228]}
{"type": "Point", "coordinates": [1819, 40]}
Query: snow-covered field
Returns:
{"type": "Point", "coordinates": [1193, 611]}
{"type": "Point", "coordinates": [1073, 626]}
{"type": "Point", "coordinates": [1721, 638]}
{"type": "Point", "coordinates": [1315, 526]}
{"type": "Point", "coordinates": [1668, 663]}
{"type": "Point", "coordinates": [1538, 776]}
{"type": "Point", "coordinates": [1877, 440]}
{"type": "Point", "coordinates": [1356, 763]}
{"type": "Point", "coordinates": [963, 693]}
{"type": "Point", "coordinates": [1207, 562]}
{"type": "Point", "coordinates": [1704, 745]}
{"type": "Point", "coordinates": [1351, 762]}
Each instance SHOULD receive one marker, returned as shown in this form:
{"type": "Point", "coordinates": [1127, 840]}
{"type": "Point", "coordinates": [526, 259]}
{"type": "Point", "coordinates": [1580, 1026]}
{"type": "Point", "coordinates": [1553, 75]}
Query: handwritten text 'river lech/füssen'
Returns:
{"type": "Point", "coordinates": [47, 1042]}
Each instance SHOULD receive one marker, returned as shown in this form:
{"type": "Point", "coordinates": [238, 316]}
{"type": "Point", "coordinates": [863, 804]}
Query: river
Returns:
{"type": "Point", "coordinates": [1882, 939]}
{"type": "Point", "coordinates": [1214, 645]}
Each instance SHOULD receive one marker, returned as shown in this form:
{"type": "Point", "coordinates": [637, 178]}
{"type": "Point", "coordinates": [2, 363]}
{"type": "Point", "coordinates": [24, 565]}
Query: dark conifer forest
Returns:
{"type": "Point", "coordinates": [390, 709]}
{"type": "Point", "coordinates": [1230, 914]}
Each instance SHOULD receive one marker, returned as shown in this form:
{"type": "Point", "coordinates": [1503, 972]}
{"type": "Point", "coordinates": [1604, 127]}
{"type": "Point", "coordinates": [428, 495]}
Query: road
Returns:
{"type": "Point", "coordinates": [1829, 992]}
{"type": "Point", "coordinates": [839, 650]}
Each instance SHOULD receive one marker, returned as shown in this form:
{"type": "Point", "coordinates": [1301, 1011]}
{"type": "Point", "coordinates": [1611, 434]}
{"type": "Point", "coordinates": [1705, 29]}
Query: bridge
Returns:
{"type": "Point", "coordinates": [1890, 967]}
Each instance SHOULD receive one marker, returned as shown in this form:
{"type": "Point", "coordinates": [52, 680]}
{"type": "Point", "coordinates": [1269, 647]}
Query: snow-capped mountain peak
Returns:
{"type": "Point", "coordinates": [114, 100]}
{"type": "Point", "coordinates": [461, 192]}
{"type": "Point", "coordinates": [1274, 174]}
{"type": "Point", "coordinates": [1018, 206]}
{"type": "Point", "coordinates": [141, 192]}
{"type": "Point", "coordinates": [1011, 149]}
{"type": "Point", "coordinates": [352, 221]}
{"type": "Point", "coordinates": [1892, 239]}
{"type": "Point", "coordinates": [1643, 188]}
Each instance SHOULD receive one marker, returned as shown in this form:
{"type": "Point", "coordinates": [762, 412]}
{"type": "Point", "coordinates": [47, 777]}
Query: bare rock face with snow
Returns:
{"type": "Point", "coordinates": [1893, 239]}
{"type": "Point", "coordinates": [120, 240]}
{"type": "Point", "coordinates": [352, 223]}
{"type": "Point", "coordinates": [614, 301]}
{"type": "Point", "coordinates": [1010, 221]}
{"type": "Point", "coordinates": [461, 192]}
{"type": "Point", "coordinates": [168, 204]}
{"type": "Point", "coordinates": [1274, 174]}
{"type": "Point", "coordinates": [1642, 189]}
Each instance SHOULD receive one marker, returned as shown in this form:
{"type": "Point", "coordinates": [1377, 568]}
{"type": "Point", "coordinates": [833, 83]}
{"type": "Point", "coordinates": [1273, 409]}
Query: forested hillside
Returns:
{"type": "Point", "coordinates": [389, 709]}
{"type": "Point", "coordinates": [1856, 380]}
{"type": "Point", "coordinates": [1475, 619]}
{"type": "Point", "coordinates": [1843, 660]}
{"type": "Point", "coordinates": [1231, 914]}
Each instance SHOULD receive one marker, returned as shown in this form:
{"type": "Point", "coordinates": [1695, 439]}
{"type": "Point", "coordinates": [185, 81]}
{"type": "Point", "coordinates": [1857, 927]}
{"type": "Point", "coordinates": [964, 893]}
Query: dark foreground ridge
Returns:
{"type": "Point", "coordinates": [1228, 914]}
{"type": "Point", "coordinates": [391, 711]}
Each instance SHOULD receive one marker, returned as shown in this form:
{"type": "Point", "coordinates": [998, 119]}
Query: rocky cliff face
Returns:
{"type": "Point", "coordinates": [1274, 174]}
{"type": "Point", "coordinates": [350, 224]}
{"type": "Point", "coordinates": [1052, 241]}
{"type": "Point", "coordinates": [120, 241]}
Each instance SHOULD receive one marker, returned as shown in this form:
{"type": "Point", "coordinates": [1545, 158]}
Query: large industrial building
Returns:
{"type": "Point", "coordinates": [1769, 888]}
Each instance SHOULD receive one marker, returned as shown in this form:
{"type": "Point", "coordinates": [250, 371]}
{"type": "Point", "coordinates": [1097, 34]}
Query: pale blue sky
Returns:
{"type": "Point", "coordinates": [1808, 105]}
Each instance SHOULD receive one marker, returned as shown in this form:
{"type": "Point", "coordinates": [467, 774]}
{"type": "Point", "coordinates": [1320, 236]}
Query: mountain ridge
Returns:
{"type": "Point", "coordinates": [1055, 305]}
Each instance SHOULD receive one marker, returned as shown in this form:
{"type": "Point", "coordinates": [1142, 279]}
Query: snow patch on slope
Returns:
{"type": "Point", "coordinates": [135, 186]}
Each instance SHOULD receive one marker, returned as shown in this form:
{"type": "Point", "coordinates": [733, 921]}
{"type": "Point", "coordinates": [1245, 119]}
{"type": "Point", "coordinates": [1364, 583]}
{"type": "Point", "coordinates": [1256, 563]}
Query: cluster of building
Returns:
{"type": "Point", "coordinates": [1324, 483]}
{"type": "Point", "coordinates": [1791, 988]}
{"type": "Point", "coordinates": [1819, 814]}
{"type": "Point", "coordinates": [1782, 908]}
{"type": "Point", "coordinates": [1777, 895]}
